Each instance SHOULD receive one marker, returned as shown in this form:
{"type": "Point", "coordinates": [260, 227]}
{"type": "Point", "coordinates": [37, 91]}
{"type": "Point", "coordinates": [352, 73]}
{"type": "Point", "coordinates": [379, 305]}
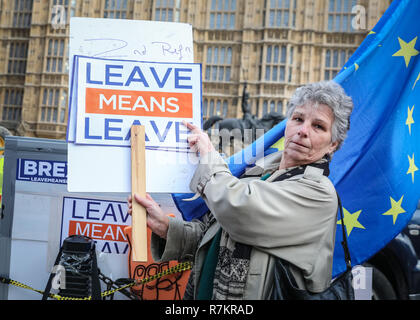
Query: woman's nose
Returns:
{"type": "Point", "coordinates": [303, 130]}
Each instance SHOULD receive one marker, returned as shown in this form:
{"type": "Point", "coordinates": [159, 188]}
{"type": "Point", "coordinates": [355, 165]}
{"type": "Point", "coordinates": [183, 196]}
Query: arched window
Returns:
{"type": "Point", "coordinates": [205, 102]}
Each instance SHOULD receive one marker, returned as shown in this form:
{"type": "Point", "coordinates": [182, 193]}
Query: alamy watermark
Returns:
{"type": "Point", "coordinates": [359, 20]}
{"type": "Point", "coordinates": [226, 142]}
{"type": "Point", "coordinates": [362, 282]}
{"type": "Point", "coordinates": [59, 279]}
{"type": "Point", "coordinates": [58, 17]}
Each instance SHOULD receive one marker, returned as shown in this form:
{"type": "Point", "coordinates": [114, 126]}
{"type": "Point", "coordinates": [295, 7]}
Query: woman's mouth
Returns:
{"type": "Point", "coordinates": [299, 144]}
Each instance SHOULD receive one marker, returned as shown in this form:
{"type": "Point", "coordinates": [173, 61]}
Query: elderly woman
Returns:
{"type": "Point", "coordinates": [285, 206]}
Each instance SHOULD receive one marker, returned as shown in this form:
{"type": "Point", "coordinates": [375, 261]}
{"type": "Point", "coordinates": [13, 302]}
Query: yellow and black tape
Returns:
{"type": "Point", "coordinates": [183, 266]}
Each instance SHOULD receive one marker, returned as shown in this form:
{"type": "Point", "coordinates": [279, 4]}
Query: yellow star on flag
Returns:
{"type": "Point", "coordinates": [410, 119]}
{"type": "Point", "coordinates": [279, 145]}
{"type": "Point", "coordinates": [407, 50]}
{"type": "Point", "coordinates": [395, 210]}
{"type": "Point", "coordinates": [350, 221]}
{"type": "Point", "coordinates": [412, 167]}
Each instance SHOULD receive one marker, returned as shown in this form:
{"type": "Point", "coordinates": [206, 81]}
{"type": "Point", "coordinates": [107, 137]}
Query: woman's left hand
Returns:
{"type": "Point", "coordinates": [198, 140]}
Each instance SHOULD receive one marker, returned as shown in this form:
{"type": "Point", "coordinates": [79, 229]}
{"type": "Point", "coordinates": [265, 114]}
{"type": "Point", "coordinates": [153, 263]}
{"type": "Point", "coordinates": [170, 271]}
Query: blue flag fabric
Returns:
{"type": "Point", "coordinates": [376, 172]}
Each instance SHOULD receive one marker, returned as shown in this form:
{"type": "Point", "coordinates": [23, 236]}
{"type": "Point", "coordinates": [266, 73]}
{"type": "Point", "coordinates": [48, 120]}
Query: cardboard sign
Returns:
{"type": "Point", "coordinates": [167, 287]}
{"type": "Point", "coordinates": [98, 158]}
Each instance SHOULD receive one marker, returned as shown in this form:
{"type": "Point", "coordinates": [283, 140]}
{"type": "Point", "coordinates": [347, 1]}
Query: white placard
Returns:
{"type": "Point", "coordinates": [112, 95]}
{"type": "Point", "coordinates": [108, 169]}
{"type": "Point", "coordinates": [102, 220]}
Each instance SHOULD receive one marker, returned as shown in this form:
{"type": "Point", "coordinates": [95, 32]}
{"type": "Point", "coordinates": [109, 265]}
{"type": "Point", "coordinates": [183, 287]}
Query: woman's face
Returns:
{"type": "Point", "coordinates": [308, 135]}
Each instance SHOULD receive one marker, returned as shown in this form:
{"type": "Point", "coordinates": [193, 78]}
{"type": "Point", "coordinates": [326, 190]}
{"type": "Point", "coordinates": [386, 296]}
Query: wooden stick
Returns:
{"type": "Point", "coordinates": [138, 186]}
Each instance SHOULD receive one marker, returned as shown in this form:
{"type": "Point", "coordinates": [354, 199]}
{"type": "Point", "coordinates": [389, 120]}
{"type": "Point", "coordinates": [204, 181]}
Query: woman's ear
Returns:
{"type": "Point", "coordinates": [333, 147]}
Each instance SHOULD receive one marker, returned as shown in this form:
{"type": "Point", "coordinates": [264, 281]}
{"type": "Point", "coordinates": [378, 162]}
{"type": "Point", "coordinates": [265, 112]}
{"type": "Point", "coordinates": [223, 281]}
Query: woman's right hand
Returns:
{"type": "Point", "coordinates": [157, 220]}
{"type": "Point", "coordinates": [198, 140]}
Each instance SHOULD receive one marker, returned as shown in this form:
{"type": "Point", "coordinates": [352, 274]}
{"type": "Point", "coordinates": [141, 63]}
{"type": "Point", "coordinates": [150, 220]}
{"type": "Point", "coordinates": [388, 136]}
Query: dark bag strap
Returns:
{"type": "Point", "coordinates": [344, 243]}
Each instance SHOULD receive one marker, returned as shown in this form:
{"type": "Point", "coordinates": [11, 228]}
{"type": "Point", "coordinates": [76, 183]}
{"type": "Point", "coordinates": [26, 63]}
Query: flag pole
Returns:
{"type": "Point", "coordinates": [138, 186]}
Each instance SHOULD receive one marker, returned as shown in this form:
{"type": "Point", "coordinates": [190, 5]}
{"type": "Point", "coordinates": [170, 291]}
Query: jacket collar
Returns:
{"type": "Point", "coordinates": [270, 164]}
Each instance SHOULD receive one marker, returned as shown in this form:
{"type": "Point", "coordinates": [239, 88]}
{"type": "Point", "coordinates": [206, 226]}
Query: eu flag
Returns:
{"type": "Point", "coordinates": [376, 171]}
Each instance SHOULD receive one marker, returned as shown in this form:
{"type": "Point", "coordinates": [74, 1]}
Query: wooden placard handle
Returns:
{"type": "Point", "coordinates": [138, 186]}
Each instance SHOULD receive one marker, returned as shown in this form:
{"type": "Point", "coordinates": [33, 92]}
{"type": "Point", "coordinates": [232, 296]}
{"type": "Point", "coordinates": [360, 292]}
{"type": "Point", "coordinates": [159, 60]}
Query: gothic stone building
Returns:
{"type": "Point", "coordinates": [271, 45]}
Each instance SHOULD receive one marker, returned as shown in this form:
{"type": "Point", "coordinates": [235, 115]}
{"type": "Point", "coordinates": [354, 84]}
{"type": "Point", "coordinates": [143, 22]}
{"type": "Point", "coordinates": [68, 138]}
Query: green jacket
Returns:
{"type": "Point", "coordinates": [294, 219]}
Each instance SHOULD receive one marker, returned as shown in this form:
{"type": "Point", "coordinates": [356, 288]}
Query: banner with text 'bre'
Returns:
{"type": "Point", "coordinates": [113, 95]}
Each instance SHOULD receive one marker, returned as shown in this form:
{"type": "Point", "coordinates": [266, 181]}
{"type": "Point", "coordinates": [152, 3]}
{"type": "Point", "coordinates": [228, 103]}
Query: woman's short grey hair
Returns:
{"type": "Point", "coordinates": [331, 94]}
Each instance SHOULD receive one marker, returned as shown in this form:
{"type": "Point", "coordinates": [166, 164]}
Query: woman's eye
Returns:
{"type": "Point", "coordinates": [318, 126]}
